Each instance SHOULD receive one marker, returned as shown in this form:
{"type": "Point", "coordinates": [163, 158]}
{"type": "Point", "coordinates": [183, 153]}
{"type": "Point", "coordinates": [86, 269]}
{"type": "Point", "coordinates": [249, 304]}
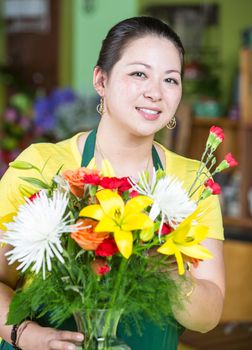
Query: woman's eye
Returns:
{"type": "Point", "coordinates": [171, 81]}
{"type": "Point", "coordinates": [139, 74]}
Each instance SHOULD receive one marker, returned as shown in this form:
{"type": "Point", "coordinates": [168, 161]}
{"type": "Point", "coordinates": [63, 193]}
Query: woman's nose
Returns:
{"type": "Point", "coordinates": [153, 91]}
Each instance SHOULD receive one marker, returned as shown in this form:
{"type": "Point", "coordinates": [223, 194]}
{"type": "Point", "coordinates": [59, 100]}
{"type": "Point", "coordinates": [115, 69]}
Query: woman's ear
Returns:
{"type": "Point", "coordinates": [99, 80]}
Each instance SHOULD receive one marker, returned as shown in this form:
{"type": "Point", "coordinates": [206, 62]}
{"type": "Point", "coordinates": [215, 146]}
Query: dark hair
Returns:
{"type": "Point", "coordinates": [120, 35]}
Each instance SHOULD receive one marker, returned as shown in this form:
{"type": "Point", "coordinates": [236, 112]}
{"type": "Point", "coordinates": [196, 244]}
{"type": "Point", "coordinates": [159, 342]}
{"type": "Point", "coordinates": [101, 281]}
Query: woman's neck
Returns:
{"type": "Point", "coordinates": [127, 153]}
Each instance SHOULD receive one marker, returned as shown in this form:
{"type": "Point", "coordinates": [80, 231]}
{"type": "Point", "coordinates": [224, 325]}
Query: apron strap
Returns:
{"type": "Point", "coordinates": [88, 152]}
{"type": "Point", "coordinates": [156, 159]}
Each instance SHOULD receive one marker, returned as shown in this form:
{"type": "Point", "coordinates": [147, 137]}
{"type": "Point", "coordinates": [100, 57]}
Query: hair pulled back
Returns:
{"type": "Point", "coordinates": [124, 32]}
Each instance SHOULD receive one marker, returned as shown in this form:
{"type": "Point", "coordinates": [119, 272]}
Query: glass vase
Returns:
{"type": "Point", "coordinates": [99, 328]}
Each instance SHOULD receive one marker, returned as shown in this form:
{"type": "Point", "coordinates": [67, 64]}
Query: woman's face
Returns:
{"type": "Point", "coordinates": [144, 87]}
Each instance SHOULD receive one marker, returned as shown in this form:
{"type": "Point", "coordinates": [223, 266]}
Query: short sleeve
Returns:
{"type": "Point", "coordinates": [48, 156]}
{"type": "Point", "coordinates": [212, 217]}
{"type": "Point", "coordinates": [13, 189]}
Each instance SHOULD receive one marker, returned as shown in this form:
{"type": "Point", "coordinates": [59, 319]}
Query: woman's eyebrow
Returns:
{"type": "Point", "coordinates": [149, 67]}
{"type": "Point", "coordinates": [141, 63]}
{"type": "Point", "coordinates": [173, 71]}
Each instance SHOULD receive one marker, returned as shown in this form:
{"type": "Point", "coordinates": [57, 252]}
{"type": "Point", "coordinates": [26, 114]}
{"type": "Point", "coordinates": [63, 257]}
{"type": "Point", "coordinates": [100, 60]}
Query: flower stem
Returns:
{"type": "Point", "coordinates": [113, 302]}
{"type": "Point", "coordinates": [200, 171]}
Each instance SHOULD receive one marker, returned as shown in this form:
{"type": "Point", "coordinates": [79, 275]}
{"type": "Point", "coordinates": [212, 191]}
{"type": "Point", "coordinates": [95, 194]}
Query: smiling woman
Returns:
{"type": "Point", "coordinates": [147, 88]}
{"type": "Point", "coordinates": [138, 76]}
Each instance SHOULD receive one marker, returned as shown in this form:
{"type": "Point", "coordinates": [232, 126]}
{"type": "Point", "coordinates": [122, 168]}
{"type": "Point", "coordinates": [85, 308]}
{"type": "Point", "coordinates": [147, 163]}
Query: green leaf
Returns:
{"type": "Point", "coordinates": [76, 289]}
{"type": "Point", "coordinates": [19, 309]}
{"type": "Point", "coordinates": [59, 170]}
{"type": "Point", "coordinates": [19, 164]}
{"type": "Point", "coordinates": [35, 182]}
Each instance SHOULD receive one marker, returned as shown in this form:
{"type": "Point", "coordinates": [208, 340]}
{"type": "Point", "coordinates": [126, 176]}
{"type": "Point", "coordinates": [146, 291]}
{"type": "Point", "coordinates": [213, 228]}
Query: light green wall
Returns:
{"type": "Point", "coordinates": [234, 16]}
{"type": "Point", "coordinates": [2, 58]}
{"type": "Point", "coordinates": [89, 29]}
{"type": "Point", "coordinates": [65, 43]}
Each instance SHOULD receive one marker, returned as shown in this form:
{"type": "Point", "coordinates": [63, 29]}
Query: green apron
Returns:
{"type": "Point", "coordinates": [153, 337]}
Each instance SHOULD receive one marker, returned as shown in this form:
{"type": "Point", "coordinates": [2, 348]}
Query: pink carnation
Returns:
{"type": "Point", "coordinates": [231, 160]}
{"type": "Point", "coordinates": [214, 187]}
{"type": "Point", "coordinates": [217, 131]}
{"type": "Point", "coordinates": [216, 136]}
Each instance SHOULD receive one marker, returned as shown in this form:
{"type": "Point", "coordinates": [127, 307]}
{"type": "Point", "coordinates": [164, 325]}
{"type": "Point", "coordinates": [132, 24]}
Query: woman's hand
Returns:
{"type": "Point", "coordinates": [45, 338]}
{"type": "Point", "coordinates": [168, 264]}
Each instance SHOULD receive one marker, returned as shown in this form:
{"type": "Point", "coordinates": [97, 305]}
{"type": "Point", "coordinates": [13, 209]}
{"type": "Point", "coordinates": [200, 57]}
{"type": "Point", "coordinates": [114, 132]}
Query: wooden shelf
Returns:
{"type": "Point", "coordinates": [238, 141]}
{"type": "Point", "coordinates": [222, 122]}
{"type": "Point", "coordinates": [247, 126]}
{"type": "Point", "coordinates": [238, 222]}
{"type": "Point", "coordinates": [199, 135]}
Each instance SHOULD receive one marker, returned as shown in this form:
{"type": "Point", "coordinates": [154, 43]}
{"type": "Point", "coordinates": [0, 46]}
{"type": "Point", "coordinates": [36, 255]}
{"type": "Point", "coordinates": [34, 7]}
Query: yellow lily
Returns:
{"type": "Point", "coordinates": [5, 219]}
{"type": "Point", "coordinates": [184, 240]}
{"type": "Point", "coordinates": [121, 219]}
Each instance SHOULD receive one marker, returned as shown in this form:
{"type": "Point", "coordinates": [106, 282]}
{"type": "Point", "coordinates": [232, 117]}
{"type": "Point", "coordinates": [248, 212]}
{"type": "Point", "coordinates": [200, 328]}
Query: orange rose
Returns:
{"type": "Point", "coordinates": [86, 237]}
{"type": "Point", "coordinates": [76, 179]}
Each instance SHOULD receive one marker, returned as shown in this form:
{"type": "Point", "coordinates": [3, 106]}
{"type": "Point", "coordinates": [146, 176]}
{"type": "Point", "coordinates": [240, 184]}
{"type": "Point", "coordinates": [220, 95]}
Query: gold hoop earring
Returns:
{"type": "Point", "coordinates": [172, 123]}
{"type": "Point", "coordinates": [100, 106]}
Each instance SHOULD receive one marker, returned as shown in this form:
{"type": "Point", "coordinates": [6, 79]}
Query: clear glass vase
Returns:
{"type": "Point", "coordinates": [99, 328]}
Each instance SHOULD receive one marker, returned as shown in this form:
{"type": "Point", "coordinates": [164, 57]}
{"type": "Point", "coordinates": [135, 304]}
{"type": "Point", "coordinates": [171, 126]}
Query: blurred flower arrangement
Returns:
{"type": "Point", "coordinates": [16, 129]}
{"type": "Point", "coordinates": [63, 113]}
{"type": "Point", "coordinates": [93, 248]}
{"type": "Point", "coordinates": [49, 118]}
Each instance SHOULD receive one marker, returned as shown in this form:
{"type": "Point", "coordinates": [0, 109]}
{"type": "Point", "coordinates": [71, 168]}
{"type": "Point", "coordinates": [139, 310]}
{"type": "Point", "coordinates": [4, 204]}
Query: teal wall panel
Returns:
{"type": "Point", "coordinates": [89, 29]}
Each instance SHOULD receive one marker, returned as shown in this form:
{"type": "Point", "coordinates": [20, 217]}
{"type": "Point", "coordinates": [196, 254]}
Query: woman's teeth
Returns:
{"type": "Point", "coordinates": [149, 111]}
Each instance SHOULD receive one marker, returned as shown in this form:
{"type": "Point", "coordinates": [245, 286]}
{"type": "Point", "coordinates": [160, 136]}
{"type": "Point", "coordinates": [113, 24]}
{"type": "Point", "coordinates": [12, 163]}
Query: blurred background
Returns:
{"type": "Point", "coordinates": [48, 49]}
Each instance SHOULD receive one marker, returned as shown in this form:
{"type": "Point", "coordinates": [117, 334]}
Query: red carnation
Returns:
{"type": "Point", "coordinates": [166, 229]}
{"type": "Point", "coordinates": [133, 194]}
{"type": "Point", "coordinates": [211, 187]}
{"type": "Point", "coordinates": [92, 179]}
{"type": "Point", "coordinates": [217, 132]}
{"type": "Point", "coordinates": [76, 179]}
{"type": "Point", "coordinates": [231, 160]}
{"type": "Point", "coordinates": [112, 183]}
{"type": "Point", "coordinates": [216, 136]}
{"type": "Point", "coordinates": [107, 248]}
{"type": "Point", "coordinates": [214, 187]}
{"type": "Point", "coordinates": [34, 196]}
{"type": "Point", "coordinates": [100, 267]}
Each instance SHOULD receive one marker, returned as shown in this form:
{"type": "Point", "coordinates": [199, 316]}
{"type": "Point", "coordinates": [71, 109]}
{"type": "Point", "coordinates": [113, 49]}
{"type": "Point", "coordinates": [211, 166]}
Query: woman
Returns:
{"type": "Point", "coordinates": [139, 79]}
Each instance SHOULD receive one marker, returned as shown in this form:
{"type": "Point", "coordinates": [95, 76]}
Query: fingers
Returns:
{"type": "Point", "coordinates": [64, 340]}
{"type": "Point", "coordinates": [45, 338]}
{"type": "Point", "coordinates": [71, 336]}
{"type": "Point", "coordinates": [61, 345]}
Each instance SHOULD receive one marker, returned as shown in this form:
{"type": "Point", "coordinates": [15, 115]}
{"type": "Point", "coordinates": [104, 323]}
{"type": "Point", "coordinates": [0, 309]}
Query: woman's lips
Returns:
{"type": "Point", "coordinates": [149, 113]}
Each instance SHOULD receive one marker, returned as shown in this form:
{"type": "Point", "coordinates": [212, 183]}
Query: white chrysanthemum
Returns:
{"type": "Point", "coordinates": [170, 199]}
{"type": "Point", "coordinates": [36, 231]}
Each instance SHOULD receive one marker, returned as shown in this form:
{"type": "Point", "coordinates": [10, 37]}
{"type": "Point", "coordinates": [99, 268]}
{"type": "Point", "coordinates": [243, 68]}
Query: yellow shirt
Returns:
{"type": "Point", "coordinates": [66, 154]}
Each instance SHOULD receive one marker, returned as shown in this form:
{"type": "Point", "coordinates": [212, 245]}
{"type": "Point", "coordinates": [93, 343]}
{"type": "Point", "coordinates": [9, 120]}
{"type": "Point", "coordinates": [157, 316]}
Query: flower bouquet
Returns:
{"type": "Point", "coordinates": [84, 242]}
